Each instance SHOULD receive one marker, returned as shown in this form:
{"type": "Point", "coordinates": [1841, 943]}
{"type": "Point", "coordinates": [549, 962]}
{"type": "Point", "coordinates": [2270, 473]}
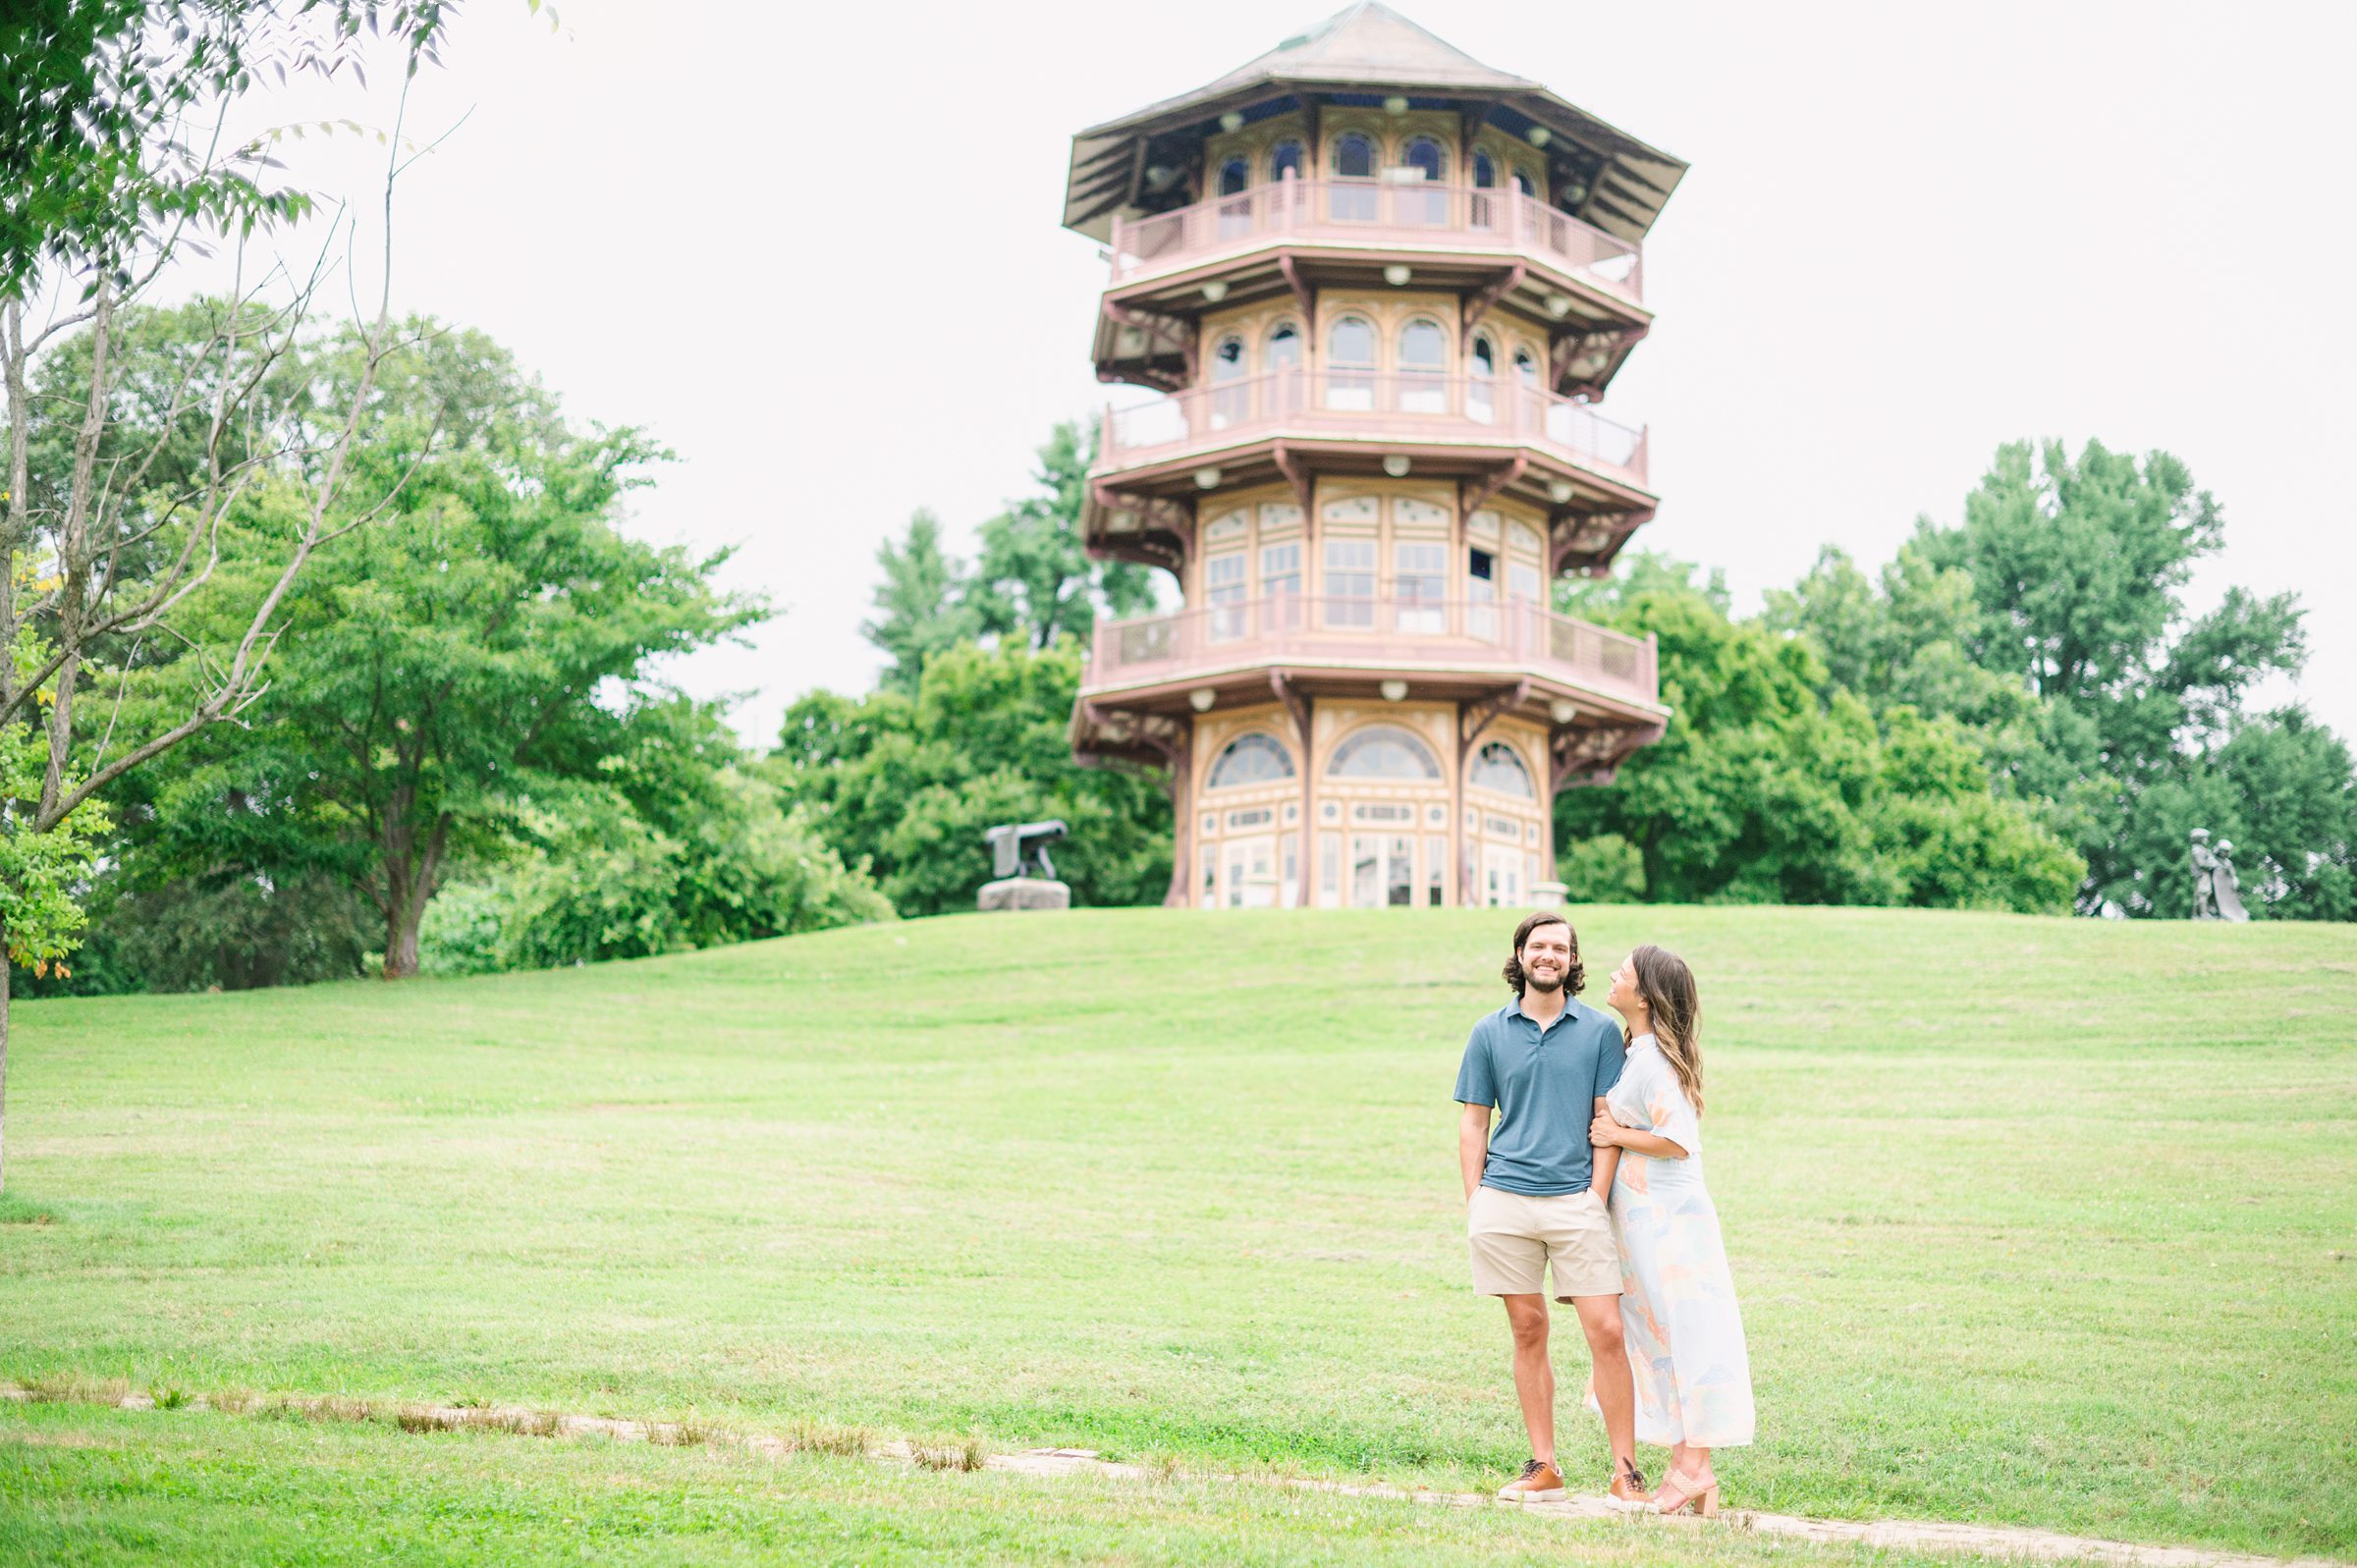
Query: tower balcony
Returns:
{"type": "Point", "coordinates": [1381, 409]}
{"type": "Point", "coordinates": [1500, 251]}
{"type": "Point", "coordinates": [1495, 435]}
{"type": "Point", "coordinates": [1381, 215]}
{"type": "Point", "coordinates": [1454, 648]}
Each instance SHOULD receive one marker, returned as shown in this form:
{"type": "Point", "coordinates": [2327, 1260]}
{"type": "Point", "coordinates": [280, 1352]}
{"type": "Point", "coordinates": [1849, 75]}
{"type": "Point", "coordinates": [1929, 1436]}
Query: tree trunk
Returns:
{"type": "Point", "coordinates": [400, 937]}
{"type": "Point", "coordinates": [409, 886]}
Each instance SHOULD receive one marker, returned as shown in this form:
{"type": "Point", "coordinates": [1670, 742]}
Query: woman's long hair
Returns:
{"type": "Point", "coordinates": [1667, 987]}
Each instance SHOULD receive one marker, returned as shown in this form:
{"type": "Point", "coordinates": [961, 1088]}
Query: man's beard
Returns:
{"type": "Point", "coordinates": [1543, 982]}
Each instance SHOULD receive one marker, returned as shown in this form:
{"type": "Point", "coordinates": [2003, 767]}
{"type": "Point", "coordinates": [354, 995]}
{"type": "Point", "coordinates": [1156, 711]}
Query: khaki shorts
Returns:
{"type": "Point", "coordinates": [1517, 1237]}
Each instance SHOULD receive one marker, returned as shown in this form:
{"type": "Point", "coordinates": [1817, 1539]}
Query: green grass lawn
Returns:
{"type": "Point", "coordinates": [2035, 1222]}
{"type": "Point", "coordinates": [96, 1487]}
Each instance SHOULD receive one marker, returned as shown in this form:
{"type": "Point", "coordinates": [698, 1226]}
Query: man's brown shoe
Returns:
{"type": "Point", "coordinates": [1628, 1493]}
{"type": "Point", "coordinates": [1538, 1483]}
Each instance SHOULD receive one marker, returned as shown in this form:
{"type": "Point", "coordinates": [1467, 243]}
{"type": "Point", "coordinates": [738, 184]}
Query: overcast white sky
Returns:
{"type": "Point", "coordinates": [815, 250]}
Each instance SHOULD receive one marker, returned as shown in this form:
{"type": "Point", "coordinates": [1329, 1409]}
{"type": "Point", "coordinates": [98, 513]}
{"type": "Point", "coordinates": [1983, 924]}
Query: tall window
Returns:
{"type": "Point", "coordinates": [1428, 207]}
{"type": "Point", "coordinates": [1419, 585]}
{"type": "Point", "coordinates": [1284, 158]}
{"type": "Point", "coordinates": [1282, 360]}
{"type": "Point", "coordinates": [1485, 172]}
{"type": "Point", "coordinates": [1224, 590]}
{"type": "Point", "coordinates": [1350, 582]}
{"type": "Point", "coordinates": [1480, 402]}
{"type": "Point", "coordinates": [1484, 207]}
{"type": "Point", "coordinates": [1353, 160]}
{"type": "Point", "coordinates": [1423, 367]}
{"type": "Point", "coordinates": [1230, 401]}
{"type": "Point", "coordinates": [1351, 364]}
{"type": "Point", "coordinates": [1528, 408]}
{"type": "Point", "coordinates": [1481, 594]}
{"type": "Point", "coordinates": [1236, 206]}
{"type": "Point", "coordinates": [1281, 571]}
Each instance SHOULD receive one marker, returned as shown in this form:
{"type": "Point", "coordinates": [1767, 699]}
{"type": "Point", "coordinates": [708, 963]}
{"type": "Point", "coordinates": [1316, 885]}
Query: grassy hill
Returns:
{"type": "Point", "coordinates": [2034, 1220]}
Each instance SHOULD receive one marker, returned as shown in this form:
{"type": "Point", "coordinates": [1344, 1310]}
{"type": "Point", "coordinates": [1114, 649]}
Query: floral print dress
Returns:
{"type": "Point", "coordinates": [1677, 1305]}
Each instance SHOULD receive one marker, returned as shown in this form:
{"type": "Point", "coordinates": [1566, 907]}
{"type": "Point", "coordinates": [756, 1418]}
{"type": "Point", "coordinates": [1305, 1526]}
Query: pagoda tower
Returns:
{"type": "Point", "coordinates": [1382, 287]}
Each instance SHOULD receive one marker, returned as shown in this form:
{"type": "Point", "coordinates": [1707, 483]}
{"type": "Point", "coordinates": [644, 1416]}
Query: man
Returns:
{"type": "Point", "coordinates": [1534, 1192]}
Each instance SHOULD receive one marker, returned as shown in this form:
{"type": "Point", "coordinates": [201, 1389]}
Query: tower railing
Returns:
{"type": "Point", "coordinates": [1376, 211]}
{"type": "Point", "coordinates": [1403, 628]}
{"type": "Point", "coordinates": [1371, 403]}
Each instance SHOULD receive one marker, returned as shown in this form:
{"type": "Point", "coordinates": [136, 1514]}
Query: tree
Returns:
{"type": "Point", "coordinates": [2280, 788]}
{"type": "Point", "coordinates": [96, 558]}
{"type": "Point", "coordinates": [1034, 580]}
{"type": "Point", "coordinates": [675, 845]}
{"type": "Point", "coordinates": [1905, 639]}
{"type": "Point", "coordinates": [1775, 785]}
{"type": "Point", "coordinates": [475, 652]}
{"type": "Point", "coordinates": [919, 604]}
{"type": "Point", "coordinates": [2077, 573]}
{"type": "Point", "coordinates": [2077, 570]}
{"type": "Point", "coordinates": [905, 785]}
{"type": "Point", "coordinates": [97, 155]}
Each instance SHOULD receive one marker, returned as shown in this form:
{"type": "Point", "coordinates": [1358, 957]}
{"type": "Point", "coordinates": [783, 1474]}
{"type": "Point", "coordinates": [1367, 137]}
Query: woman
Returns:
{"type": "Point", "coordinates": [1678, 1307]}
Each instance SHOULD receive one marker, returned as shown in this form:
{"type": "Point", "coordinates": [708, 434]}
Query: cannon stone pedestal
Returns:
{"type": "Point", "coordinates": [1023, 893]}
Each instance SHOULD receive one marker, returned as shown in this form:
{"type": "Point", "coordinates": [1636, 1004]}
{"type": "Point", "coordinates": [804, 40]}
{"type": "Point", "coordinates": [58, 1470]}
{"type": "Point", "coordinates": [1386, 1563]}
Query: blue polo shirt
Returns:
{"type": "Point", "coordinates": [1544, 1084]}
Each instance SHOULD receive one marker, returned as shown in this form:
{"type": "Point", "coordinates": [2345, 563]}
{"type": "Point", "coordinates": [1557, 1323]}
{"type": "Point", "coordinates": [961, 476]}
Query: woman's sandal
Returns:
{"type": "Point", "coordinates": [1703, 1498]}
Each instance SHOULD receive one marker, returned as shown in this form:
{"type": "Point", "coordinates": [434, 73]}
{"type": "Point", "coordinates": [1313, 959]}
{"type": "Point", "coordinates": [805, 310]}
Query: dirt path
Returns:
{"type": "Point", "coordinates": [1994, 1541]}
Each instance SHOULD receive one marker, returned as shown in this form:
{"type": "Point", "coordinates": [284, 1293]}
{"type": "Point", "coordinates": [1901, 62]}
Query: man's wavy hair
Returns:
{"type": "Point", "coordinates": [1575, 979]}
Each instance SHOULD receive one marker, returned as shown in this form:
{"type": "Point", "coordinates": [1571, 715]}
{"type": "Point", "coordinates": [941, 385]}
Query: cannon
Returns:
{"type": "Point", "coordinates": [1025, 878]}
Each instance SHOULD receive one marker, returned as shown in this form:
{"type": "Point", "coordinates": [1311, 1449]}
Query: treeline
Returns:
{"type": "Point", "coordinates": [466, 759]}
{"type": "Point", "coordinates": [2018, 712]}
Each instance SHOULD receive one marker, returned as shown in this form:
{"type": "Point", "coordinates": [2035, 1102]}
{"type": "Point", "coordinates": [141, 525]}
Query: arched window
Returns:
{"type": "Point", "coordinates": [1423, 347]}
{"type": "Point", "coordinates": [1383, 751]}
{"type": "Point", "coordinates": [1351, 364]}
{"type": "Point", "coordinates": [1285, 346]}
{"type": "Point", "coordinates": [1480, 399]}
{"type": "Point", "coordinates": [1428, 207]}
{"type": "Point", "coordinates": [1281, 364]}
{"type": "Point", "coordinates": [1251, 759]}
{"type": "Point", "coordinates": [1524, 184]}
{"type": "Point", "coordinates": [1498, 766]}
{"type": "Point", "coordinates": [1353, 161]}
{"type": "Point", "coordinates": [1229, 403]}
{"type": "Point", "coordinates": [1526, 408]}
{"type": "Point", "coordinates": [1235, 204]}
{"type": "Point", "coordinates": [1423, 362]}
{"type": "Point", "coordinates": [1284, 158]}
{"type": "Point", "coordinates": [1485, 172]}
